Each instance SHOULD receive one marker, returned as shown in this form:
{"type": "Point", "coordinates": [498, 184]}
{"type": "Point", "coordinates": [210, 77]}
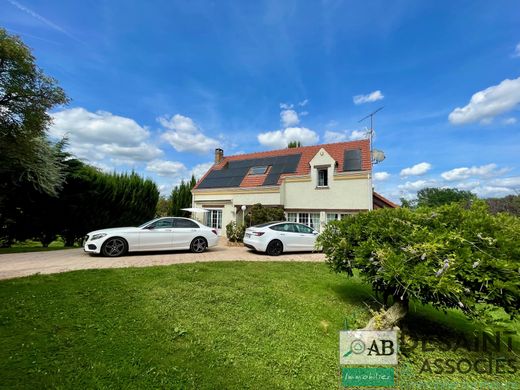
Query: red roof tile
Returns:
{"type": "Point", "coordinates": [381, 202]}
{"type": "Point", "coordinates": [336, 151]}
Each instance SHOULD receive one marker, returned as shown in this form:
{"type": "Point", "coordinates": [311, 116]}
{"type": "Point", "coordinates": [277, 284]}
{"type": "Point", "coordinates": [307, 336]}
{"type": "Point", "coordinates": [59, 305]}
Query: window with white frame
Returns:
{"type": "Point", "coordinates": [337, 216]}
{"type": "Point", "coordinates": [315, 221]}
{"type": "Point", "coordinates": [310, 219]}
{"type": "Point", "coordinates": [303, 218]}
{"type": "Point", "coordinates": [332, 217]}
{"type": "Point", "coordinates": [323, 178]}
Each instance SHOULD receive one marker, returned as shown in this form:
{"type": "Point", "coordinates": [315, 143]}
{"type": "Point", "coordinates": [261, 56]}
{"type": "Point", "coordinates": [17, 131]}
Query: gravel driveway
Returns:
{"type": "Point", "coordinates": [50, 262]}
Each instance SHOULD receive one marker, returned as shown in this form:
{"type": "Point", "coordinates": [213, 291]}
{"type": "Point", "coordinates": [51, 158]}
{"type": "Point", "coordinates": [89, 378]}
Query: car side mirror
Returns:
{"type": "Point", "coordinates": [315, 232]}
{"type": "Point", "coordinates": [150, 227]}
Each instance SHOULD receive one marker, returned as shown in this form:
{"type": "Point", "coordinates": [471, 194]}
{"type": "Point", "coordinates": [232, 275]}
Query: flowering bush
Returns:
{"type": "Point", "coordinates": [450, 256]}
{"type": "Point", "coordinates": [234, 232]}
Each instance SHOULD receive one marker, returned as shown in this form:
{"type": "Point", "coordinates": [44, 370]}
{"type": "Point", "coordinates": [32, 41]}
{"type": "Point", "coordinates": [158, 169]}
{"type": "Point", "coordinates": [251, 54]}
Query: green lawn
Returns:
{"type": "Point", "coordinates": [202, 326]}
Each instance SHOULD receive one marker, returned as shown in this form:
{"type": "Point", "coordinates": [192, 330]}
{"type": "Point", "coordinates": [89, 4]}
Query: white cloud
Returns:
{"type": "Point", "coordinates": [492, 191]}
{"type": "Point", "coordinates": [286, 106]}
{"type": "Point", "coordinates": [371, 97]}
{"type": "Point", "coordinates": [279, 139]}
{"type": "Point", "coordinates": [166, 168]}
{"type": "Point", "coordinates": [100, 135]}
{"type": "Point", "coordinates": [97, 127]}
{"type": "Point", "coordinates": [141, 152]}
{"type": "Point", "coordinates": [466, 185]}
{"type": "Point", "coordinates": [381, 176]}
{"type": "Point", "coordinates": [200, 169]}
{"type": "Point", "coordinates": [289, 118]}
{"type": "Point", "coordinates": [303, 103]}
{"type": "Point", "coordinates": [511, 182]}
{"type": "Point", "coordinates": [345, 135]}
{"type": "Point", "coordinates": [185, 136]}
{"type": "Point", "coordinates": [166, 189]}
{"type": "Point", "coordinates": [517, 51]}
{"type": "Point", "coordinates": [488, 103]}
{"type": "Point", "coordinates": [416, 185]}
{"type": "Point", "coordinates": [509, 121]}
{"type": "Point", "coordinates": [465, 172]}
{"type": "Point", "coordinates": [416, 170]}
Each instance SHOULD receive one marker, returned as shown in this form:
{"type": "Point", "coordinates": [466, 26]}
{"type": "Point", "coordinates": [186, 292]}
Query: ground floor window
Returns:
{"type": "Point", "coordinates": [303, 218]}
{"type": "Point", "coordinates": [336, 216]}
{"type": "Point", "coordinates": [315, 221]}
{"type": "Point", "coordinates": [213, 219]}
{"type": "Point", "coordinates": [310, 219]}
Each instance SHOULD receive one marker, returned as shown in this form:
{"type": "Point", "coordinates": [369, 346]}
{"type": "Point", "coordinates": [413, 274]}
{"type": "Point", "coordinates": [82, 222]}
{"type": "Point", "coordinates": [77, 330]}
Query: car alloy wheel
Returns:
{"type": "Point", "coordinates": [275, 248]}
{"type": "Point", "coordinates": [199, 245]}
{"type": "Point", "coordinates": [114, 247]}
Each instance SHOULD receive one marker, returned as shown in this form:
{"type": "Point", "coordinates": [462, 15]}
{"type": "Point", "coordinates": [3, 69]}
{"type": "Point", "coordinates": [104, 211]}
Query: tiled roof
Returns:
{"type": "Point", "coordinates": [336, 151]}
{"type": "Point", "coordinates": [381, 202]}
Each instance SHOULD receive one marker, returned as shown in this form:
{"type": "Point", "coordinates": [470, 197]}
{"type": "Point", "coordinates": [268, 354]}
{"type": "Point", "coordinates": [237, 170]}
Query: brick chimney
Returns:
{"type": "Point", "coordinates": [219, 155]}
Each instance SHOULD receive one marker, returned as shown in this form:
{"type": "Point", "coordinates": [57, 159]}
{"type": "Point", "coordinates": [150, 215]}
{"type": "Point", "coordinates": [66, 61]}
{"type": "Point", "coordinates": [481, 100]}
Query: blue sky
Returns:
{"type": "Point", "coordinates": [156, 86]}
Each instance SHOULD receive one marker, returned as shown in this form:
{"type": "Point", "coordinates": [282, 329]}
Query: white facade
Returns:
{"type": "Point", "coordinates": [313, 199]}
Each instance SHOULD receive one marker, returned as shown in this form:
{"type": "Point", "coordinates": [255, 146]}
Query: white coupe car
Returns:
{"type": "Point", "coordinates": [156, 235]}
{"type": "Point", "coordinates": [274, 238]}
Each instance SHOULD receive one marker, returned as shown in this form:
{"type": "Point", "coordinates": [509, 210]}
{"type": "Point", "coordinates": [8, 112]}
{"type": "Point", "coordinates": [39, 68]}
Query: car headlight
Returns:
{"type": "Point", "coordinates": [98, 236]}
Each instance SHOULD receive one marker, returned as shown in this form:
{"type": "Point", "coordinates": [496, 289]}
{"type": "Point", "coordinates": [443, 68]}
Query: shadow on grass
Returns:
{"type": "Point", "coordinates": [422, 321]}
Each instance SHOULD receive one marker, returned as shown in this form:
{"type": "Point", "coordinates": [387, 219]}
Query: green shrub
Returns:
{"type": "Point", "coordinates": [450, 257]}
{"type": "Point", "coordinates": [259, 214]}
{"type": "Point", "coordinates": [234, 232]}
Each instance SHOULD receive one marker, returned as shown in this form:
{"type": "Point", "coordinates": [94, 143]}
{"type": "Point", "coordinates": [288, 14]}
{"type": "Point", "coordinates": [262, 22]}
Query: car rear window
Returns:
{"type": "Point", "coordinates": [184, 223]}
{"type": "Point", "coordinates": [265, 224]}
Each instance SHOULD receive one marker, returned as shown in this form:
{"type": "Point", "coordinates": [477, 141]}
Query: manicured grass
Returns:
{"type": "Point", "coordinates": [33, 246]}
{"type": "Point", "coordinates": [202, 326]}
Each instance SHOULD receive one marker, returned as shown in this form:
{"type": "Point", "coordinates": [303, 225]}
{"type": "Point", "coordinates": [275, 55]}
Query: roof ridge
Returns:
{"type": "Point", "coordinates": [298, 148]}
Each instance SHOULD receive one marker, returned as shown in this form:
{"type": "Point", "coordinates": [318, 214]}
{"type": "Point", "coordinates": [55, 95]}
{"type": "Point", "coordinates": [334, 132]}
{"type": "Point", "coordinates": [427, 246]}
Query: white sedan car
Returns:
{"type": "Point", "coordinates": [155, 235]}
{"type": "Point", "coordinates": [277, 237]}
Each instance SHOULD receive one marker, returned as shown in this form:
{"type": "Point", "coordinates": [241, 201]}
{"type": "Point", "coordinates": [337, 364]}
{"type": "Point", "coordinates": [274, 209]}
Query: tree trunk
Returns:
{"type": "Point", "coordinates": [389, 318]}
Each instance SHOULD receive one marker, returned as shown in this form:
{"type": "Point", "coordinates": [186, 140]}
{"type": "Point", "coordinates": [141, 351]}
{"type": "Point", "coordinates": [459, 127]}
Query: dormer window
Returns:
{"type": "Point", "coordinates": [323, 178]}
{"type": "Point", "coordinates": [260, 170]}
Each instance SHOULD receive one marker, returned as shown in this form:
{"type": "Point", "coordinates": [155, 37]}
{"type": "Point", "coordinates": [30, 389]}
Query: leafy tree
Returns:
{"type": "Point", "coordinates": [450, 257]}
{"type": "Point", "coordinates": [117, 199]}
{"type": "Point", "coordinates": [434, 197]}
{"type": "Point", "coordinates": [26, 96]}
{"type": "Point", "coordinates": [181, 198]}
{"type": "Point", "coordinates": [508, 204]}
{"type": "Point", "coordinates": [163, 205]}
{"type": "Point", "coordinates": [29, 163]}
{"type": "Point", "coordinates": [259, 214]}
{"type": "Point", "coordinates": [89, 200]}
{"type": "Point", "coordinates": [294, 144]}
{"type": "Point", "coordinates": [407, 203]}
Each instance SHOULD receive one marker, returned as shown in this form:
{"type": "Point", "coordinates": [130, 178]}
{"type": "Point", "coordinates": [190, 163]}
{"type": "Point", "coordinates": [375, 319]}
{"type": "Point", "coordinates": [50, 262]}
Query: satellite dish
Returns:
{"type": "Point", "coordinates": [377, 156]}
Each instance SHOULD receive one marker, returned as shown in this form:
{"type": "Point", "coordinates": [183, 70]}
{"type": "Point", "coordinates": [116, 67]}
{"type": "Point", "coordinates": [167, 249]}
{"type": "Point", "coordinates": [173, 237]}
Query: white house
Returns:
{"type": "Point", "coordinates": [314, 184]}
